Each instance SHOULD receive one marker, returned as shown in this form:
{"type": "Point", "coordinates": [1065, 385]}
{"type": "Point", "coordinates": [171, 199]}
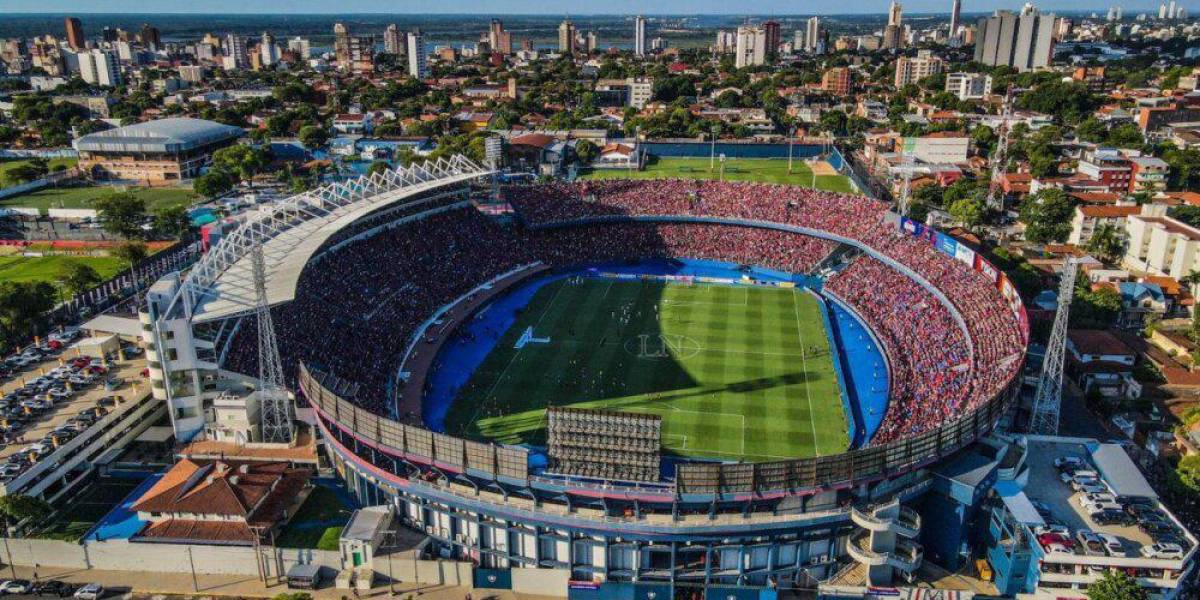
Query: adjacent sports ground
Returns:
{"type": "Point", "coordinates": [736, 372]}
{"type": "Point", "coordinates": [83, 196]}
{"type": "Point", "coordinates": [767, 170]}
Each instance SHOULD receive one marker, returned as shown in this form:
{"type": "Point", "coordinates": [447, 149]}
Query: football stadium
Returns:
{"type": "Point", "coordinates": [659, 384]}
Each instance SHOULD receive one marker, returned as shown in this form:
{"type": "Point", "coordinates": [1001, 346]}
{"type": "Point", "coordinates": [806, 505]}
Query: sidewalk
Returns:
{"type": "Point", "coordinates": [236, 586]}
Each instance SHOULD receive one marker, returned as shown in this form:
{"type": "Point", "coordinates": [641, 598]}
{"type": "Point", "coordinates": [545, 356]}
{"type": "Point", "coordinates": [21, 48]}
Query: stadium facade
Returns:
{"type": "Point", "coordinates": [859, 515]}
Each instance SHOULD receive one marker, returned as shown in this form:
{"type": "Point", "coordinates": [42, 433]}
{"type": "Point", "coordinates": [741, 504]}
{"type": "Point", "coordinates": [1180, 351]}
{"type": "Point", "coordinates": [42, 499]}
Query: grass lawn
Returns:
{"type": "Point", "coordinates": [5, 165]}
{"type": "Point", "coordinates": [767, 170]}
{"type": "Point", "coordinates": [318, 524]}
{"type": "Point", "coordinates": [736, 372]}
{"type": "Point", "coordinates": [48, 268]}
{"type": "Point", "coordinates": [81, 197]}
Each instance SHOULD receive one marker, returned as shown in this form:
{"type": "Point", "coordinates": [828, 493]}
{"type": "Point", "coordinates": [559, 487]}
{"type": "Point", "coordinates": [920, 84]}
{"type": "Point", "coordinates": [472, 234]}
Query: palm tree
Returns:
{"type": "Point", "coordinates": [1192, 279]}
{"type": "Point", "coordinates": [1107, 243]}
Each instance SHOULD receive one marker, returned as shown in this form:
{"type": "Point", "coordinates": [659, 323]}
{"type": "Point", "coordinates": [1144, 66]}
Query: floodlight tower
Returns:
{"type": "Point", "coordinates": [1000, 156]}
{"type": "Point", "coordinates": [1047, 401]}
{"type": "Point", "coordinates": [273, 398]}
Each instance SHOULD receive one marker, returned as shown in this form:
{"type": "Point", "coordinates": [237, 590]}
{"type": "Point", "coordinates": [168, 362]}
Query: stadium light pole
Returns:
{"type": "Point", "coordinates": [791, 137]}
{"type": "Point", "coordinates": [712, 154]}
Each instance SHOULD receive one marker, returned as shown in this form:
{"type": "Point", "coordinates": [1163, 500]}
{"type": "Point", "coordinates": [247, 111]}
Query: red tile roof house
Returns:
{"type": "Point", "coordinates": [221, 502]}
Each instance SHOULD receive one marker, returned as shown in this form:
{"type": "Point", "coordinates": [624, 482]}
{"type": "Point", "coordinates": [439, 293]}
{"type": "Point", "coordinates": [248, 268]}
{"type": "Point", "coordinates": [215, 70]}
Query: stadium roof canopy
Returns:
{"type": "Point", "coordinates": [164, 136]}
{"type": "Point", "coordinates": [221, 284]}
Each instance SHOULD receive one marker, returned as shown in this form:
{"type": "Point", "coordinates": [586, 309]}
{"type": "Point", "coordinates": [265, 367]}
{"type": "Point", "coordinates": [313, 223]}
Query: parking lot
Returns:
{"type": "Point", "coordinates": [42, 408]}
{"type": "Point", "coordinates": [1063, 503]}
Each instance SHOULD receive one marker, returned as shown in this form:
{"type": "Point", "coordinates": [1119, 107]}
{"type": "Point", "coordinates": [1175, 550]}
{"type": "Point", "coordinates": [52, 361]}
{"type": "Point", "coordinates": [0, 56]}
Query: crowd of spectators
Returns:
{"type": "Point", "coordinates": [773, 249]}
{"type": "Point", "coordinates": [993, 354]}
{"type": "Point", "coordinates": [358, 305]}
{"type": "Point", "coordinates": [928, 358]}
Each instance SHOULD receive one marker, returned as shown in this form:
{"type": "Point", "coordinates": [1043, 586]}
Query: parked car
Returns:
{"type": "Point", "coordinates": [1091, 543]}
{"type": "Point", "coordinates": [1112, 544]}
{"type": "Point", "coordinates": [1095, 498]}
{"type": "Point", "coordinates": [1052, 539]}
{"type": "Point", "coordinates": [1074, 462]}
{"type": "Point", "coordinates": [54, 587]}
{"type": "Point", "coordinates": [14, 586]}
{"type": "Point", "coordinates": [1111, 517]}
{"type": "Point", "coordinates": [91, 591]}
{"type": "Point", "coordinates": [1162, 551]}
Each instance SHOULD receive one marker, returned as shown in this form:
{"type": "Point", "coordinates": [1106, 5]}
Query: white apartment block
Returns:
{"type": "Point", "coordinates": [1161, 245]}
{"type": "Point", "coordinates": [969, 86]}
{"type": "Point", "coordinates": [1089, 217]}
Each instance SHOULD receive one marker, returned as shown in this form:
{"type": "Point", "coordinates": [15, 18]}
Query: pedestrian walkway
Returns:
{"type": "Point", "coordinates": [241, 586]}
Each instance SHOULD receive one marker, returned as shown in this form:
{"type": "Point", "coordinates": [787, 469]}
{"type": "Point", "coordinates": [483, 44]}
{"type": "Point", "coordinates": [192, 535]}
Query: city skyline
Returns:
{"type": "Point", "coordinates": [530, 7]}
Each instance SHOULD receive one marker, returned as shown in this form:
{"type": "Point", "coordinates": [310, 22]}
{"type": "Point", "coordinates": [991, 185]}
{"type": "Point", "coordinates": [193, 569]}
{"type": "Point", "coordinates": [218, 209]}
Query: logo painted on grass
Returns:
{"type": "Point", "coordinates": [658, 346]}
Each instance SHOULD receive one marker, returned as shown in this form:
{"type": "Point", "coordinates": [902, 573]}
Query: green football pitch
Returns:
{"type": "Point", "coordinates": [736, 372]}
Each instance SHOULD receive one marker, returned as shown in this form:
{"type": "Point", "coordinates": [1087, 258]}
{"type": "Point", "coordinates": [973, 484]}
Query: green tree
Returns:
{"type": "Point", "coordinates": [313, 137]}
{"type": "Point", "coordinates": [1126, 135]}
{"type": "Point", "coordinates": [18, 507]}
{"type": "Point", "coordinates": [378, 166]}
{"type": "Point", "coordinates": [77, 277]}
{"type": "Point", "coordinates": [121, 214]}
{"type": "Point", "coordinates": [1116, 585]}
{"type": "Point", "coordinates": [1192, 279]}
{"type": "Point", "coordinates": [1047, 216]}
{"type": "Point", "coordinates": [1107, 243]}
{"type": "Point", "coordinates": [22, 305]}
{"type": "Point", "coordinates": [26, 172]}
{"type": "Point", "coordinates": [586, 151]}
{"type": "Point", "coordinates": [1094, 309]}
{"type": "Point", "coordinates": [213, 183]}
{"type": "Point", "coordinates": [172, 222]}
{"type": "Point", "coordinates": [1091, 130]}
{"type": "Point", "coordinates": [969, 212]}
{"type": "Point", "coordinates": [131, 253]}
{"type": "Point", "coordinates": [240, 161]}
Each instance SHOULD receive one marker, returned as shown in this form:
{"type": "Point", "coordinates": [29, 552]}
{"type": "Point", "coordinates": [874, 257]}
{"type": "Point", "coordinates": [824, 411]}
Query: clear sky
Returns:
{"type": "Point", "coordinates": [758, 7]}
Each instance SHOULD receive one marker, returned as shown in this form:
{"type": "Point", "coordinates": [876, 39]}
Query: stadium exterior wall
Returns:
{"type": "Point", "coordinates": [755, 524]}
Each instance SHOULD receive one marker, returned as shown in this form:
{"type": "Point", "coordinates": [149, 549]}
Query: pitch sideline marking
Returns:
{"type": "Point", "coordinates": [513, 359]}
{"type": "Point", "coordinates": [804, 363]}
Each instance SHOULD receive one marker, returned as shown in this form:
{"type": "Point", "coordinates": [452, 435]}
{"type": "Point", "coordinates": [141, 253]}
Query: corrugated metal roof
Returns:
{"type": "Point", "coordinates": [176, 134]}
{"type": "Point", "coordinates": [1120, 473]}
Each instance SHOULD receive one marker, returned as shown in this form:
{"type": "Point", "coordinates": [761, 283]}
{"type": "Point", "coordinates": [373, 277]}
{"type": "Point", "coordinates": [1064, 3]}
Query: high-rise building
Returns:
{"type": "Point", "coordinates": [911, 70]}
{"type": "Point", "coordinates": [236, 54]}
{"type": "Point", "coordinates": [836, 81]}
{"type": "Point", "coordinates": [418, 63]}
{"type": "Point", "coordinates": [150, 36]}
{"type": "Point", "coordinates": [812, 35]}
{"type": "Point", "coordinates": [592, 42]}
{"type": "Point", "coordinates": [894, 14]}
{"type": "Point", "coordinates": [955, 16]}
{"type": "Point", "coordinates": [639, 35]}
{"type": "Point", "coordinates": [75, 37]}
{"type": "Point", "coordinates": [191, 73]}
{"type": "Point", "coordinates": [393, 42]}
{"type": "Point", "coordinates": [566, 37]}
{"type": "Point", "coordinates": [771, 29]}
{"type": "Point", "coordinates": [300, 47]}
{"type": "Point", "coordinates": [893, 32]}
{"type": "Point", "coordinates": [1024, 41]}
{"type": "Point", "coordinates": [99, 67]}
{"type": "Point", "coordinates": [751, 47]}
{"type": "Point", "coordinates": [353, 53]}
{"type": "Point", "coordinates": [498, 39]}
{"type": "Point", "coordinates": [268, 50]}
{"type": "Point", "coordinates": [726, 42]}
{"type": "Point", "coordinates": [1172, 13]}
